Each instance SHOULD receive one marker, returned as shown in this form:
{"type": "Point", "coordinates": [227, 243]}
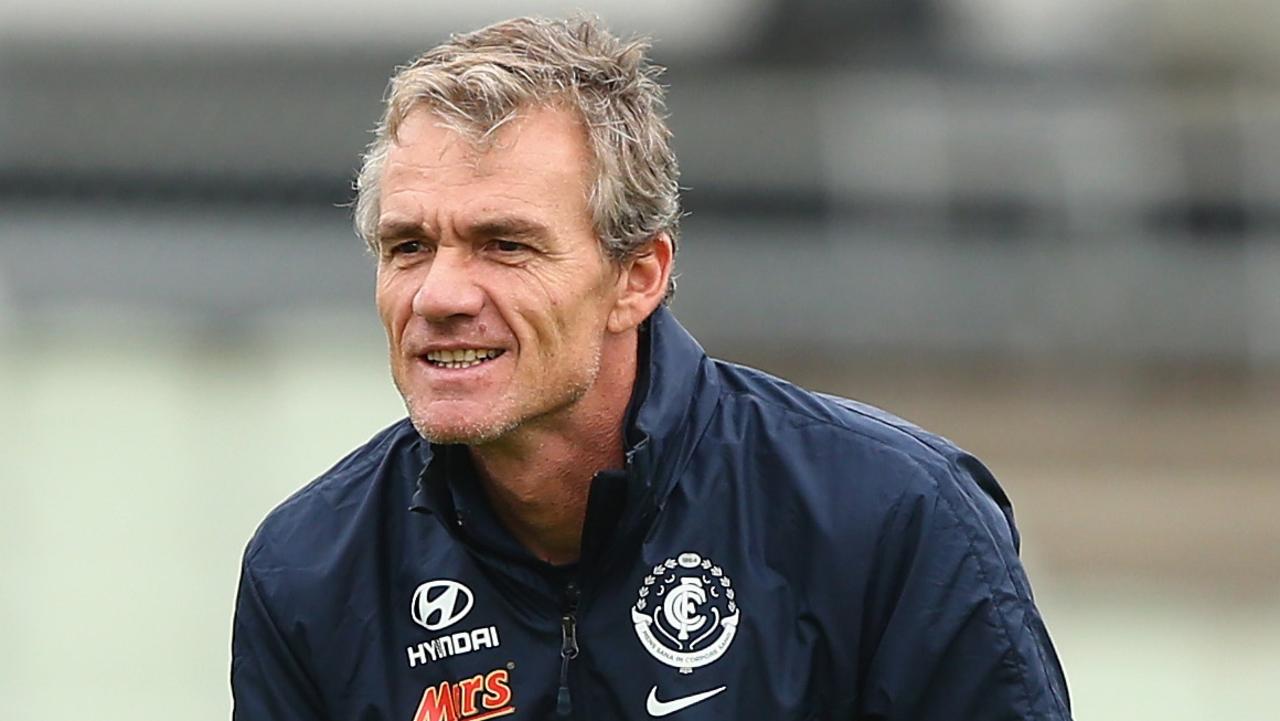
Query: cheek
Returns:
{"type": "Point", "coordinates": [393, 298]}
{"type": "Point", "coordinates": [386, 314]}
{"type": "Point", "coordinates": [558, 310]}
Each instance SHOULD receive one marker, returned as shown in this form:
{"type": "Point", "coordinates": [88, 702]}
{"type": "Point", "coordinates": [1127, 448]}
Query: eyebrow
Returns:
{"type": "Point", "coordinates": [398, 229]}
{"type": "Point", "coordinates": [500, 227]}
{"type": "Point", "coordinates": [508, 227]}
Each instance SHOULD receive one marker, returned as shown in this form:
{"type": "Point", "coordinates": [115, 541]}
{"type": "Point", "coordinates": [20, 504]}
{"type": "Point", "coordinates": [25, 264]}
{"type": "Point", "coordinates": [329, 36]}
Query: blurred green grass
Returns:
{"type": "Point", "coordinates": [136, 463]}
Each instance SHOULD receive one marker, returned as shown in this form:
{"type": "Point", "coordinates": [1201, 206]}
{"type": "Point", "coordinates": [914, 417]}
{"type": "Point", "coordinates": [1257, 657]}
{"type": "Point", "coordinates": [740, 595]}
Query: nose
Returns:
{"type": "Point", "coordinates": [448, 290]}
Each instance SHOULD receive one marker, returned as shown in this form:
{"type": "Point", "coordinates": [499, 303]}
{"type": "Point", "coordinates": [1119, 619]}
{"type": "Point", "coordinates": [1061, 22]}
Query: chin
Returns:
{"type": "Point", "coordinates": [454, 429]}
{"type": "Point", "coordinates": [455, 435]}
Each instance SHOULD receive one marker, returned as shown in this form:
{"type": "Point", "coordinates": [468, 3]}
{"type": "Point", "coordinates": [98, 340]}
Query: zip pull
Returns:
{"type": "Point", "coordinates": [568, 648]}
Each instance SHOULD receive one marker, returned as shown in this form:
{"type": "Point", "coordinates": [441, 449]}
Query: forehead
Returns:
{"type": "Point", "coordinates": [539, 160]}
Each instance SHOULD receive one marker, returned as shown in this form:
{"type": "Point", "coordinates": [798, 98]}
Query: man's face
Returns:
{"type": "Point", "coordinates": [492, 286]}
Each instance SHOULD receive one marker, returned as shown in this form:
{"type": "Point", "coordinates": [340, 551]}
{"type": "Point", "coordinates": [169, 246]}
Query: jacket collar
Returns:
{"type": "Point", "coordinates": [674, 397]}
{"type": "Point", "coordinates": [672, 401]}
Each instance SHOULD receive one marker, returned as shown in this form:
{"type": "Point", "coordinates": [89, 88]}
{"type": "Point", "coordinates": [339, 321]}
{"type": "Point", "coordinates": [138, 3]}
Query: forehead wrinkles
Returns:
{"type": "Point", "coordinates": [541, 159]}
{"type": "Point", "coordinates": [408, 155]}
{"type": "Point", "coordinates": [477, 160]}
{"type": "Point", "coordinates": [411, 180]}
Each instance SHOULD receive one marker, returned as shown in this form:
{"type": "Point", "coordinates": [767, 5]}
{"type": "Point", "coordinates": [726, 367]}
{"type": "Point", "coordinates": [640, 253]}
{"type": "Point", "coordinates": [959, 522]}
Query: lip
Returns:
{"type": "Point", "coordinates": [423, 350]}
{"type": "Point", "coordinates": [419, 345]}
{"type": "Point", "coordinates": [439, 374]}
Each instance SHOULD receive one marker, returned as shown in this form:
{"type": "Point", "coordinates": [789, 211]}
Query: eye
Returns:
{"type": "Point", "coordinates": [507, 246]}
{"type": "Point", "coordinates": [407, 247]}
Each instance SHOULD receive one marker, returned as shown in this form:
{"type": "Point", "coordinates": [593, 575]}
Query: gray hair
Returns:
{"type": "Point", "coordinates": [478, 81]}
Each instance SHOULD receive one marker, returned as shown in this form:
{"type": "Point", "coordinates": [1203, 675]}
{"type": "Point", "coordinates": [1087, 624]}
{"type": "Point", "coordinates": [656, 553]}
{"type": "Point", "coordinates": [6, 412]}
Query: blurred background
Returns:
{"type": "Point", "coordinates": [1048, 229]}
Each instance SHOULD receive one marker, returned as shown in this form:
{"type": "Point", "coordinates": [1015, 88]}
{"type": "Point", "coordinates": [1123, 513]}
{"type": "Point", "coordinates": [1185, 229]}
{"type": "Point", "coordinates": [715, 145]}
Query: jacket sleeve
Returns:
{"type": "Point", "coordinates": [955, 633]}
{"type": "Point", "coordinates": [268, 680]}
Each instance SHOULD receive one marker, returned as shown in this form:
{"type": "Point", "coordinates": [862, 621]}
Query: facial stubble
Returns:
{"type": "Point", "coordinates": [545, 405]}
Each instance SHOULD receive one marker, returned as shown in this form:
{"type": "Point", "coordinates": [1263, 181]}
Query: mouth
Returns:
{"type": "Point", "coordinates": [460, 358]}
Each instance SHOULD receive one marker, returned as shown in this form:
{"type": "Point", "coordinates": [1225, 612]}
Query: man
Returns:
{"type": "Point", "coordinates": [584, 516]}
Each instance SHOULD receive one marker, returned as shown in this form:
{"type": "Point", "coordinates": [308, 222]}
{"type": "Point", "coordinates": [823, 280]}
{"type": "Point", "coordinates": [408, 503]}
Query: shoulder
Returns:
{"type": "Point", "coordinates": [796, 413]}
{"type": "Point", "coordinates": [300, 531]}
{"type": "Point", "coordinates": [861, 489]}
{"type": "Point", "coordinates": [843, 453]}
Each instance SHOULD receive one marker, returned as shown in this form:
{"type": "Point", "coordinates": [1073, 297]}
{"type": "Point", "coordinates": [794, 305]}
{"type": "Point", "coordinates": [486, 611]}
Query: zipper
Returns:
{"type": "Point", "coordinates": [568, 647]}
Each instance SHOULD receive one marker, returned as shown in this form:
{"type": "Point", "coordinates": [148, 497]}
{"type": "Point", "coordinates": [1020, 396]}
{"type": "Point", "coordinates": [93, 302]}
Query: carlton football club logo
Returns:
{"type": "Point", "coordinates": [687, 613]}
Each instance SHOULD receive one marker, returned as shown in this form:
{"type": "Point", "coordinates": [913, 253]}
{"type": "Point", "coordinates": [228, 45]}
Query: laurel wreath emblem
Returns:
{"type": "Point", "coordinates": [666, 626]}
{"type": "Point", "coordinates": [670, 565]}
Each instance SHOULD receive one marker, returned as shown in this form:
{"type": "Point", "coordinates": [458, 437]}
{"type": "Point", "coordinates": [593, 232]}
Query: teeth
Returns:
{"type": "Point", "coordinates": [462, 358]}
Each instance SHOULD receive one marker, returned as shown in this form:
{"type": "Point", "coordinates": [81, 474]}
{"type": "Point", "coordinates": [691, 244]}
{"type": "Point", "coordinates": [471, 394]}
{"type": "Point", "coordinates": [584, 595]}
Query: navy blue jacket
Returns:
{"type": "Point", "coordinates": [765, 553]}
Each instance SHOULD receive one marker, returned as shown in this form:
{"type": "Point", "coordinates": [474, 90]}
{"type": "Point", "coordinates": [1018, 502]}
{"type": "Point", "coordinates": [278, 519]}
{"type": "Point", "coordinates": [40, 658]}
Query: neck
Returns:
{"type": "Point", "coordinates": [538, 478]}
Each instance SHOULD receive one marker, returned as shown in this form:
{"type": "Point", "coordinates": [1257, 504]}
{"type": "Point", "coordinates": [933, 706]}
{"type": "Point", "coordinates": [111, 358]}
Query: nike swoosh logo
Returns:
{"type": "Point", "coordinates": [662, 708]}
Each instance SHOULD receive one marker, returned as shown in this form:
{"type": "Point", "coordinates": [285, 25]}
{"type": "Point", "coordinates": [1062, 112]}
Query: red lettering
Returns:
{"type": "Point", "coordinates": [457, 701]}
{"type": "Point", "coordinates": [467, 690]}
{"type": "Point", "coordinates": [438, 704]}
{"type": "Point", "coordinates": [497, 690]}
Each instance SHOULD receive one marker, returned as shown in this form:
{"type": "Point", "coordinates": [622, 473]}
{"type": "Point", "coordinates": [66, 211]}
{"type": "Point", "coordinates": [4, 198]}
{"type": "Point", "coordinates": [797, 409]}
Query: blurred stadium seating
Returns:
{"type": "Point", "coordinates": [1049, 230]}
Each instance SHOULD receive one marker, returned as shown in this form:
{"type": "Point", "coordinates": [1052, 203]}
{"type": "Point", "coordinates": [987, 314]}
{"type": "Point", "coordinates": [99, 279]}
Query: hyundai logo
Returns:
{"type": "Point", "coordinates": [441, 603]}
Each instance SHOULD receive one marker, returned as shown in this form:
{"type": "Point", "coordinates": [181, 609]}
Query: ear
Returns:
{"type": "Point", "coordinates": [642, 284]}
